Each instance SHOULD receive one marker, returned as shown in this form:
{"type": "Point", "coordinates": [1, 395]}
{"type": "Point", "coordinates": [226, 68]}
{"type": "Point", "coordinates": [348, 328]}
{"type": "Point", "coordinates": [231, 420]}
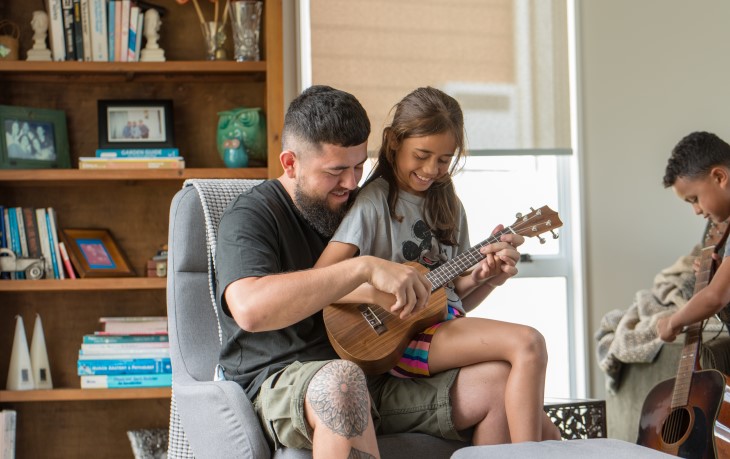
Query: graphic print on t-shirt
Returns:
{"type": "Point", "coordinates": [425, 248]}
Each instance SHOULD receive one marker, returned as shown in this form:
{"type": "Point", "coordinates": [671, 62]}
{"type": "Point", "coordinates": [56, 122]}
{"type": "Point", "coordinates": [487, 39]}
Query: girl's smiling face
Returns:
{"type": "Point", "coordinates": [420, 161]}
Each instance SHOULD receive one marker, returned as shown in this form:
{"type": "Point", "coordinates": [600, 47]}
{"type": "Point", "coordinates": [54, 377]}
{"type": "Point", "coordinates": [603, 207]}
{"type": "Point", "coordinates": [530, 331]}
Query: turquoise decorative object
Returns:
{"type": "Point", "coordinates": [234, 153]}
{"type": "Point", "coordinates": [248, 125]}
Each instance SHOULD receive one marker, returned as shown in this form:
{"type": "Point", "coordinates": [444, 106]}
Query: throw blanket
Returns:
{"type": "Point", "coordinates": [630, 336]}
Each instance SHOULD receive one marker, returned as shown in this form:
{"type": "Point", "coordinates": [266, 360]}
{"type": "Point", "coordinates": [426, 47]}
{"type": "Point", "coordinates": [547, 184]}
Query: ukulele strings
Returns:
{"type": "Point", "coordinates": [462, 261]}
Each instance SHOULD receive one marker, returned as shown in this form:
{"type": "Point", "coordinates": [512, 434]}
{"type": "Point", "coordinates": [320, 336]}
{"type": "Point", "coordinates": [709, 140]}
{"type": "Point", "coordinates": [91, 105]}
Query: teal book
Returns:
{"type": "Point", "coordinates": [137, 153]}
{"type": "Point", "coordinates": [112, 339]}
{"type": "Point", "coordinates": [125, 381]}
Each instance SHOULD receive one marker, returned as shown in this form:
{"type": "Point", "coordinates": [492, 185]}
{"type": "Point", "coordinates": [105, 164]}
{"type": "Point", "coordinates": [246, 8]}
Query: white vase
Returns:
{"type": "Point", "coordinates": [20, 373]}
{"type": "Point", "coordinates": [39, 357]}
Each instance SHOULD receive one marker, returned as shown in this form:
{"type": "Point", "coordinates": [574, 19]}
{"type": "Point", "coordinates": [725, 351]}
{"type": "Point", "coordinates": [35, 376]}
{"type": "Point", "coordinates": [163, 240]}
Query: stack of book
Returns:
{"type": "Point", "coordinates": [129, 352]}
{"type": "Point", "coordinates": [34, 233]}
{"type": "Point", "coordinates": [134, 158]}
{"type": "Point", "coordinates": [96, 30]}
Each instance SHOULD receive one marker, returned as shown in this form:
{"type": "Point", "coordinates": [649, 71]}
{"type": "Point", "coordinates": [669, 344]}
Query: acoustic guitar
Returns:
{"type": "Point", "coordinates": [689, 415]}
{"type": "Point", "coordinates": [375, 339]}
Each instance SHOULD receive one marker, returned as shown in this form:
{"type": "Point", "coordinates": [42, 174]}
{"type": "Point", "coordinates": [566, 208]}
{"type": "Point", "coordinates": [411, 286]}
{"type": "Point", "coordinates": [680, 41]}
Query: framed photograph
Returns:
{"type": "Point", "coordinates": [94, 253]}
{"type": "Point", "coordinates": [135, 124]}
{"type": "Point", "coordinates": [33, 138]}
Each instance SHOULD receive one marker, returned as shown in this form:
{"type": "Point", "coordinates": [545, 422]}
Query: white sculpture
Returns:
{"type": "Point", "coordinates": [39, 24]}
{"type": "Point", "coordinates": [152, 51]}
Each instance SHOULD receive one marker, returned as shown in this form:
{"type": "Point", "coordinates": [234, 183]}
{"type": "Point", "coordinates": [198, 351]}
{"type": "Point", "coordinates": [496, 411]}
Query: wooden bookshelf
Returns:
{"type": "Point", "coordinates": [80, 285]}
{"type": "Point", "coordinates": [71, 395]}
{"type": "Point", "coordinates": [133, 204]}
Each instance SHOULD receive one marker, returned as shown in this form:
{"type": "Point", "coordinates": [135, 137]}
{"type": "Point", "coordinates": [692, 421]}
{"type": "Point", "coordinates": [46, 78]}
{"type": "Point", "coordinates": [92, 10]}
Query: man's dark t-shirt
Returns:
{"type": "Point", "coordinates": [261, 233]}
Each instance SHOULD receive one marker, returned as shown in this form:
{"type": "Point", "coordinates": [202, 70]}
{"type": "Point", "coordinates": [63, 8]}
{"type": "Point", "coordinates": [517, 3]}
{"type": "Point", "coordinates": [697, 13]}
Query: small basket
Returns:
{"type": "Point", "coordinates": [9, 35]}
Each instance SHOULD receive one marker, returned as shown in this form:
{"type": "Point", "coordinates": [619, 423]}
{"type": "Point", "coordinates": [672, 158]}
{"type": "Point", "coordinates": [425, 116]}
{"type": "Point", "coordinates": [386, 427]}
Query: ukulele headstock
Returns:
{"type": "Point", "coordinates": [536, 222]}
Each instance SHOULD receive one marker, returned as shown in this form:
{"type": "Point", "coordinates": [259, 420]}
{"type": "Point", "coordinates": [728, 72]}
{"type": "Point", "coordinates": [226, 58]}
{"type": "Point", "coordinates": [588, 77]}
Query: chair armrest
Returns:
{"type": "Point", "coordinates": [218, 419]}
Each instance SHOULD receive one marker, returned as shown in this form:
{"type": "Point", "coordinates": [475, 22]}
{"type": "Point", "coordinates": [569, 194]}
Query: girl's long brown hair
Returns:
{"type": "Point", "coordinates": [425, 111]}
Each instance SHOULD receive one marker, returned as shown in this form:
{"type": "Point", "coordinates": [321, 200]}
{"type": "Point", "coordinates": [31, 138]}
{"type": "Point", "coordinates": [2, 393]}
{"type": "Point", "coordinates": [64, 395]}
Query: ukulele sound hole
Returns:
{"type": "Point", "coordinates": [675, 426]}
{"type": "Point", "coordinates": [370, 313]}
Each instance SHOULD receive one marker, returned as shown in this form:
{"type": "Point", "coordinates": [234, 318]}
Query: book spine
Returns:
{"type": "Point", "coordinates": [124, 366]}
{"type": "Point", "coordinates": [137, 153]}
{"type": "Point", "coordinates": [52, 242]}
{"type": "Point", "coordinates": [123, 347]}
{"type": "Point", "coordinates": [86, 29]}
{"type": "Point", "coordinates": [45, 241]}
{"type": "Point", "coordinates": [8, 427]}
{"type": "Point", "coordinates": [9, 235]}
{"type": "Point", "coordinates": [124, 49]}
{"type": "Point", "coordinates": [132, 43]}
{"type": "Point", "coordinates": [95, 339]}
{"type": "Point", "coordinates": [111, 28]}
{"type": "Point", "coordinates": [31, 233]}
{"type": "Point", "coordinates": [118, 31]}
{"type": "Point", "coordinates": [3, 238]}
{"type": "Point", "coordinates": [21, 231]}
{"type": "Point", "coordinates": [66, 260]}
{"type": "Point", "coordinates": [58, 41]}
{"type": "Point", "coordinates": [99, 35]}
{"type": "Point", "coordinates": [119, 381]}
{"type": "Point", "coordinates": [78, 31]}
{"type": "Point", "coordinates": [152, 163]}
{"type": "Point", "coordinates": [15, 233]}
{"type": "Point", "coordinates": [68, 29]}
{"type": "Point", "coordinates": [128, 351]}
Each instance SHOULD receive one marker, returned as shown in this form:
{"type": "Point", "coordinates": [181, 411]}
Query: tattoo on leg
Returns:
{"type": "Point", "coordinates": [338, 394]}
{"type": "Point", "coordinates": [356, 454]}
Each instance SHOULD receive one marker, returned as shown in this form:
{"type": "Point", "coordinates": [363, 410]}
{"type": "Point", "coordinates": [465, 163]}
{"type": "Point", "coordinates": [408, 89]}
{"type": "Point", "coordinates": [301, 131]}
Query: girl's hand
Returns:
{"type": "Point", "coordinates": [500, 260]}
{"type": "Point", "coordinates": [665, 331]}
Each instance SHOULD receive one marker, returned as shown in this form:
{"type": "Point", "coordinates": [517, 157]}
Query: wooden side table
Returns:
{"type": "Point", "coordinates": [577, 418]}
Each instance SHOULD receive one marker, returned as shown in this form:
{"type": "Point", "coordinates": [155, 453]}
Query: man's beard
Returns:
{"type": "Point", "coordinates": [316, 211]}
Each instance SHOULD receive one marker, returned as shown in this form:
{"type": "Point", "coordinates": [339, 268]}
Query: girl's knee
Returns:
{"type": "Point", "coordinates": [532, 347]}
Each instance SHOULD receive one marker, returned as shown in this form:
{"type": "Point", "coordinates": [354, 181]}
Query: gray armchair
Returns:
{"type": "Point", "coordinates": [211, 418]}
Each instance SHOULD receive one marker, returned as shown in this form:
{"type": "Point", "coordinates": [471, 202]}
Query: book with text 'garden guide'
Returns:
{"type": "Point", "coordinates": [137, 153]}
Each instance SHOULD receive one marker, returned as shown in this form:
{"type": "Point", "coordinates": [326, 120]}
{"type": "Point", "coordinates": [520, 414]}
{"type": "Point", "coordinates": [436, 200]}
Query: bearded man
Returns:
{"type": "Point", "coordinates": [271, 301]}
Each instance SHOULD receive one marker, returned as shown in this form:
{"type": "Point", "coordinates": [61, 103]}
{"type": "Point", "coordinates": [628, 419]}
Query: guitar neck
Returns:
{"type": "Point", "coordinates": [462, 262]}
{"type": "Point", "coordinates": [693, 335]}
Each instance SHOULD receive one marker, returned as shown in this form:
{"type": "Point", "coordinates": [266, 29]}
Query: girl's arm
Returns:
{"type": "Point", "coordinates": [701, 306]}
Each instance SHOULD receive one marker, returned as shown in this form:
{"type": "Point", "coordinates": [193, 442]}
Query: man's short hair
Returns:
{"type": "Point", "coordinates": [324, 115]}
{"type": "Point", "coordinates": [695, 155]}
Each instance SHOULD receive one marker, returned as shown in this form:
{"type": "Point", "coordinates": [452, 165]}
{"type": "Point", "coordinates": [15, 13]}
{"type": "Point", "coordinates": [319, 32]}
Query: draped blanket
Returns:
{"type": "Point", "coordinates": [630, 336]}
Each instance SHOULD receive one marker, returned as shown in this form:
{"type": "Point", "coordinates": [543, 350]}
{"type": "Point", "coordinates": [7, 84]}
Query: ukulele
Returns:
{"type": "Point", "coordinates": [375, 339]}
{"type": "Point", "coordinates": [688, 416]}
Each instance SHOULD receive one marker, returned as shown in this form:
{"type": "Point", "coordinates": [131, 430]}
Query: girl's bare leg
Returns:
{"type": "Point", "coordinates": [471, 340]}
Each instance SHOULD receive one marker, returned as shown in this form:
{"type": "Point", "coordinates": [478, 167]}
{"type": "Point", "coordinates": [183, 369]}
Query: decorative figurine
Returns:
{"type": "Point", "coordinates": [39, 24]}
{"type": "Point", "coordinates": [152, 51]}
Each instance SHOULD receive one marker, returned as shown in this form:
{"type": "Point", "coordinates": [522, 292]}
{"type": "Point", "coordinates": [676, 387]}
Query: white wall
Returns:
{"type": "Point", "coordinates": [650, 72]}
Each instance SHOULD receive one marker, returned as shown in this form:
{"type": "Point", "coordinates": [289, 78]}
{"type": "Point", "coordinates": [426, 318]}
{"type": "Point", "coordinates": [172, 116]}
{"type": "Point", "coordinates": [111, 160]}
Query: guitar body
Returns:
{"type": "Point", "coordinates": [699, 430]}
{"type": "Point", "coordinates": [377, 347]}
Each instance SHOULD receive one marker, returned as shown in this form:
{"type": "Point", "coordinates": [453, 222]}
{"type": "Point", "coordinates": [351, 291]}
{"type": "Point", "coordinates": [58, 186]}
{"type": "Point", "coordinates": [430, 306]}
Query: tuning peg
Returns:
{"type": "Point", "coordinates": [541, 239]}
{"type": "Point", "coordinates": [555, 235]}
{"type": "Point", "coordinates": [518, 215]}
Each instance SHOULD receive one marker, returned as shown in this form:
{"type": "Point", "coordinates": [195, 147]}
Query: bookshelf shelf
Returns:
{"type": "Point", "coordinates": [53, 177]}
{"type": "Point", "coordinates": [62, 395]}
{"type": "Point", "coordinates": [78, 285]}
{"type": "Point", "coordinates": [167, 68]}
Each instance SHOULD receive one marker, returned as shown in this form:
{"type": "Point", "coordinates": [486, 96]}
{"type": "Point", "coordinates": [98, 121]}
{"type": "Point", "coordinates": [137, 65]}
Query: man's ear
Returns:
{"type": "Point", "coordinates": [288, 160]}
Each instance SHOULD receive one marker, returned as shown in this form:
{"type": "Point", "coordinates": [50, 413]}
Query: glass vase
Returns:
{"type": "Point", "coordinates": [214, 35]}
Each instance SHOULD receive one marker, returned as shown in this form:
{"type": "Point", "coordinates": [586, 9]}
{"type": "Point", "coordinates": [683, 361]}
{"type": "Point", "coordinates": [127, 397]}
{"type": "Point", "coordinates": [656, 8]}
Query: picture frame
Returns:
{"type": "Point", "coordinates": [33, 138]}
{"type": "Point", "coordinates": [95, 253]}
{"type": "Point", "coordinates": [136, 124]}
